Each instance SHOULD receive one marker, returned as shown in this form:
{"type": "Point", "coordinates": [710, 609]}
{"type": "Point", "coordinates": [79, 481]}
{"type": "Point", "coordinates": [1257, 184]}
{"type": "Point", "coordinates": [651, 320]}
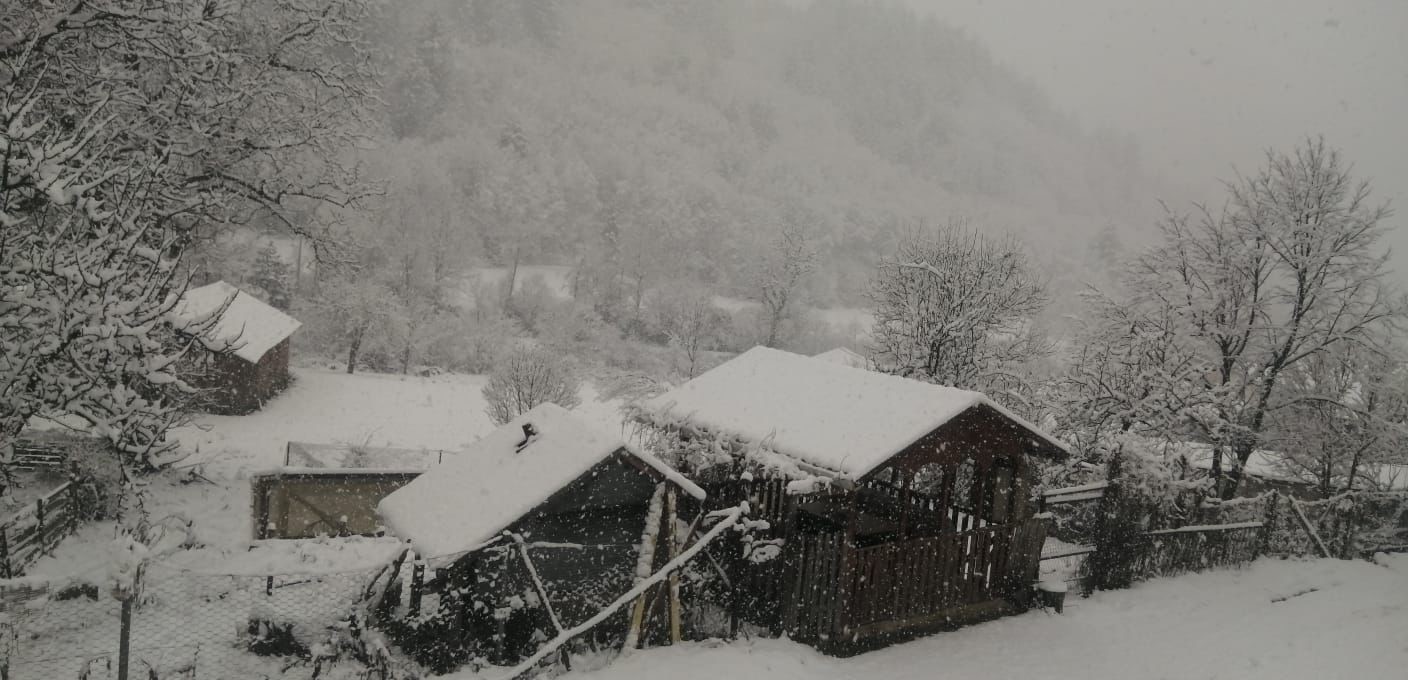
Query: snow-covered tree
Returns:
{"type": "Point", "coordinates": [957, 307]}
{"type": "Point", "coordinates": [253, 106]}
{"type": "Point", "coordinates": [88, 276]}
{"type": "Point", "coordinates": [526, 378]}
{"type": "Point", "coordinates": [1343, 414]}
{"type": "Point", "coordinates": [270, 276]}
{"type": "Point", "coordinates": [1293, 268]}
{"type": "Point", "coordinates": [791, 257]}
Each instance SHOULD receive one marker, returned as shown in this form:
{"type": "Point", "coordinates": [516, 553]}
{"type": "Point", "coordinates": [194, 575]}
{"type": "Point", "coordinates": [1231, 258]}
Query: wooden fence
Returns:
{"type": "Point", "coordinates": [907, 585]}
{"type": "Point", "coordinates": [35, 530]}
{"type": "Point", "coordinates": [1186, 549]}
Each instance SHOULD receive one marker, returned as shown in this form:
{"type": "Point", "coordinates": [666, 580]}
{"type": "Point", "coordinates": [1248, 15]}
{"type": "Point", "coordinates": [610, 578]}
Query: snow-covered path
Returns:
{"type": "Point", "coordinates": [1224, 624]}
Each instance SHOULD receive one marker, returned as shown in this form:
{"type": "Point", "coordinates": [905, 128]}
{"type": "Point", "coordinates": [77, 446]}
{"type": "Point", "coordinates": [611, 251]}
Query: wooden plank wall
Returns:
{"type": "Point", "coordinates": [893, 586]}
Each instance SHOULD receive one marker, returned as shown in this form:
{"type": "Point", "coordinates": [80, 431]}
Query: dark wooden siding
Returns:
{"type": "Point", "coordinates": [233, 386]}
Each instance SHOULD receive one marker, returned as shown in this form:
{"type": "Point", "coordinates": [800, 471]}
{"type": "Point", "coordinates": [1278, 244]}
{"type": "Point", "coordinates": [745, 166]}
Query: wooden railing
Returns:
{"type": "Point", "coordinates": [36, 529]}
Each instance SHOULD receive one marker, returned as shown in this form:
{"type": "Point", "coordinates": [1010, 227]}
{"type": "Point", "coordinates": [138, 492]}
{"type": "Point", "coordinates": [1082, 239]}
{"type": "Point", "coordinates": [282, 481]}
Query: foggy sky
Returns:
{"type": "Point", "coordinates": [1206, 85]}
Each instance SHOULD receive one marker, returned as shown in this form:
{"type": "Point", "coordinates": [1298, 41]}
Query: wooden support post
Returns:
{"type": "Point", "coordinates": [845, 576]}
{"type": "Point", "coordinates": [673, 524]}
{"type": "Point", "coordinates": [4, 555]}
{"type": "Point", "coordinates": [124, 640]}
{"type": "Point", "coordinates": [73, 506]}
{"type": "Point", "coordinates": [645, 564]}
{"type": "Point", "coordinates": [417, 584]}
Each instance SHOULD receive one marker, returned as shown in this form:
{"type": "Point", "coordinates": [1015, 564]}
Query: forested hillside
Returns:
{"type": "Point", "coordinates": [670, 139]}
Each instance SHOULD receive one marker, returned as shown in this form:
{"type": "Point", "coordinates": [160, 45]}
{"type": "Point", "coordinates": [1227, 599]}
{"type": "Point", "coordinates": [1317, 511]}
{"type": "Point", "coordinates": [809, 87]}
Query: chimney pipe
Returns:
{"type": "Point", "coordinates": [528, 432]}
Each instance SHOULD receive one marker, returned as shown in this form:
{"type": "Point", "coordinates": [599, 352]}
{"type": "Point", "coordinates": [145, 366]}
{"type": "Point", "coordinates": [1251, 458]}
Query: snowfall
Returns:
{"type": "Point", "coordinates": [1283, 619]}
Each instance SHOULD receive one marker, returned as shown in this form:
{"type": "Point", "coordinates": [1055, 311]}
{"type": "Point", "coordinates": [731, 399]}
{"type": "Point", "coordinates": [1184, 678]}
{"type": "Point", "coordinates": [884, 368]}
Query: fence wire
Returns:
{"type": "Point", "coordinates": [183, 625]}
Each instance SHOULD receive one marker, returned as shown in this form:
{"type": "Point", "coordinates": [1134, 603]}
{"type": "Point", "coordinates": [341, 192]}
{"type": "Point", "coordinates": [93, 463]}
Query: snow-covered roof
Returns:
{"type": "Point", "coordinates": [845, 357]}
{"type": "Point", "coordinates": [844, 420]}
{"type": "Point", "coordinates": [349, 457]}
{"type": "Point", "coordinates": [1272, 466]}
{"type": "Point", "coordinates": [248, 326]}
{"type": "Point", "coordinates": [463, 503]}
{"type": "Point", "coordinates": [1262, 464]}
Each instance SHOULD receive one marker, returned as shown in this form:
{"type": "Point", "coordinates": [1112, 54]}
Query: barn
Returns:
{"type": "Point", "coordinates": [537, 525]}
{"type": "Point", "coordinates": [247, 357]}
{"type": "Point", "coordinates": [898, 508]}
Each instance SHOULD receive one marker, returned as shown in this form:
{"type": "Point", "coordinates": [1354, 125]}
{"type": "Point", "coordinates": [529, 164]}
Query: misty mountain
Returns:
{"type": "Point", "coordinates": [669, 139]}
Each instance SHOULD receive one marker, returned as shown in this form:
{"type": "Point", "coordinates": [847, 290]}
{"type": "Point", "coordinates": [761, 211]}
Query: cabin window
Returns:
{"type": "Point", "coordinates": [929, 480]}
{"type": "Point", "coordinates": [963, 486]}
{"type": "Point", "coordinates": [1001, 494]}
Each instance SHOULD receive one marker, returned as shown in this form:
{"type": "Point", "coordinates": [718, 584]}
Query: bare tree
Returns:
{"type": "Point", "coordinates": [1292, 268]}
{"type": "Point", "coordinates": [790, 259]}
{"type": "Point", "coordinates": [526, 378]}
{"type": "Point", "coordinates": [692, 323]}
{"type": "Point", "coordinates": [958, 308]}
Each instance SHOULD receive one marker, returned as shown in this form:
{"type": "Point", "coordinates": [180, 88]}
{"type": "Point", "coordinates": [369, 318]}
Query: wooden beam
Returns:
{"type": "Point", "coordinates": [675, 623]}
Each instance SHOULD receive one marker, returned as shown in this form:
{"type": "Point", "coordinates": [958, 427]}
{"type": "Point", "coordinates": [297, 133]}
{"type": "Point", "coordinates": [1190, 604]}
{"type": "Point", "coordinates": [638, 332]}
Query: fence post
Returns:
{"type": "Point", "coordinates": [417, 582]}
{"type": "Point", "coordinates": [73, 507]}
{"type": "Point", "coordinates": [39, 517]}
{"type": "Point", "coordinates": [125, 638]}
{"type": "Point", "coordinates": [1268, 526]}
{"type": "Point", "coordinates": [4, 554]}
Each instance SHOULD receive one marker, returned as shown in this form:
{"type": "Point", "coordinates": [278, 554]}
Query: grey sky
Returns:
{"type": "Point", "coordinates": [1210, 84]}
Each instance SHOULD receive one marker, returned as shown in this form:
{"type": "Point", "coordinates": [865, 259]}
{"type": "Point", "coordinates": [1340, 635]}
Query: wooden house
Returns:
{"type": "Point", "coordinates": [537, 525]}
{"type": "Point", "coordinates": [247, 343]}
{"type": "Point", "coordinates": [900, 507]}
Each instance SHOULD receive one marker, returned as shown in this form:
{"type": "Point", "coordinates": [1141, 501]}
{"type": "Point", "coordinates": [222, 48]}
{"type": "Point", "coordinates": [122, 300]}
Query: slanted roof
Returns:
{"type": "Point", "coordinates": [249, 328]}
{"type": "Point", "coordinates": [845, 357]}
{"type": "Point", "coordinates": [462, 504]}
{"type": "Point", "coordinates": [841, 419]}
{"type": "Point", "coordinates": [350, 457]}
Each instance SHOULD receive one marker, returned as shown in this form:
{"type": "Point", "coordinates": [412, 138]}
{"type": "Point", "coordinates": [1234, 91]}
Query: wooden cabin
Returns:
{"type": "Point", "coordinates": [247, 348]}
{"type": "Point", "coordinates": [537, 525]}
{"type": "Point", "coordinates": [901, 507]}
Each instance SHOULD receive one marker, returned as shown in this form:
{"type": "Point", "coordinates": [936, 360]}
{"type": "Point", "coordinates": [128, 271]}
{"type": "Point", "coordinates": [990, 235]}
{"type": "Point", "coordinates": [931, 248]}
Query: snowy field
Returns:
{"type": "Point", "coordinates": [1278, 620]}
{"type": "Point", "coordinates": [441, 412]}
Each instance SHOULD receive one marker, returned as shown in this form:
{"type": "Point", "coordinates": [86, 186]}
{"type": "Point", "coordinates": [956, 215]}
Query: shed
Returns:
{"type": "Point", "coordinates": [247, 347]}
{"type": "Point", "coordinates": [902, 507]}
{"type": "Point", "coordinates": [541, 519]}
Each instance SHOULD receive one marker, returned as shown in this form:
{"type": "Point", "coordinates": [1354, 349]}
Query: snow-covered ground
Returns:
{"type": "Point", "coordinates": [1279, 620]}
{"type": "Point", "coordinates": [321, 406]}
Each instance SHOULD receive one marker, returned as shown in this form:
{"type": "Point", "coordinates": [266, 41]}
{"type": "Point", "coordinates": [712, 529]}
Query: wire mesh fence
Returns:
{"type": "Point", "coordinates": [179, 625]}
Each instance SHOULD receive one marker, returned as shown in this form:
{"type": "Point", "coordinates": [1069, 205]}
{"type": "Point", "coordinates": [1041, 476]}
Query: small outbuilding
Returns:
{"type": "Point", "coordinates": [247, 343]}
{"type": "Point", "coordinates": [897, 507]}
{"type": "Point", "coordinates": [536, 526]}
{"type": "Point", "coordinates": [332, 489]}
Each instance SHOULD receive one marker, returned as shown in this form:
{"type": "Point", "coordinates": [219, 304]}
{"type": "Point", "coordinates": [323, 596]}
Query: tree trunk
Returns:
{"type": "Point", "coordinates": [512, 277]}
{"type": "Point", "coordinates": [355, 348]}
